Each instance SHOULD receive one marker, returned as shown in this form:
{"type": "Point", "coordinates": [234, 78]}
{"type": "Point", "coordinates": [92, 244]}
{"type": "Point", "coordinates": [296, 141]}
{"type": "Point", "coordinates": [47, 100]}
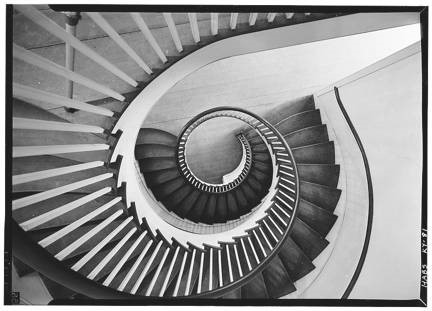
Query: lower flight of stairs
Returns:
{"type": "Point", "coordinates": [155, 153]}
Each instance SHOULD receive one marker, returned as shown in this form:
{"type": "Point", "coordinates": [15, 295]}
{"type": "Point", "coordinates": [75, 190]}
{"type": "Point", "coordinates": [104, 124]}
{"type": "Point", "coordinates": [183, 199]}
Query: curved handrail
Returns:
{"type": "Point", "coordinates": [245, 160]}
{"type": "Point", "coordinates": [224, 289]}
{"type": "Point", "coordinates": [195, 181]}
{"type": "Point", "coordinates": [370, 198]}
{"type": "Point", "coordinates": [180, 155]}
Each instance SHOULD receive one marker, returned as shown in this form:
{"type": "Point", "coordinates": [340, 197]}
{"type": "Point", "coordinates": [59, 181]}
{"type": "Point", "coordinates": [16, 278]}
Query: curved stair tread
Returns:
{"type": "Point", "coordinates": [310, 242]}
{"type": "Point", "coordinates": [156, 178]}
{"type": "Point", "coordinates": [249, 193]}
{"type": "Point", "coordinates": [290, 108]}
{"type": "Point", "coordinates": [261, 156]}
{"type": "Point", "coordinates": [157, 164]}
{"type": "Point", "coordinates": [209, 214]}
{"type": "Point", "coordinates": [242, 202]}
{"type": "Point", "coordinates": [263, 167]}
{"type": "Point", "coordinates": [296, 263]}
{"type": "Point", "coordinates": [144, 151]}
{"type": "Point", "coordinates": [299, 121]}
{"type": "Point", "coordinates": [198, 209]}
{"type": "Point", "coordinates": [186, 205]}
{"type": "Point", "coordinates": [254, 184]}
{"type": "Point", "coordinates": [221, 214]}
{"type": "Point", "coordinates": [260, 176]}
{"type": "Point", "coordinates": [255, 288]}
{"type": "Point", "coordinates": [233, 294]}
{"type": "Point", "coordinates": [233, 210]}
{"type": "Point", "coordinates": [277, 279]}
{"type": "Point", "coordinates": [165, 189]}
{"type": "Point", "coordinates": [155, 136]}
{"type": "Point", "coordinates": [322, 196]}
{"type": "Point", "coordinates": [317, 218]}
{"type": "Point", "coordinates": [307, 136]}
{"type": "Point", "coordinates": [172, 200]}
{"type": "Point", "coordinates": [321, 153]}
{"type": "Point", "coordinates": [323, 174]}
{"type": "Point", "coordinates": [259, 148]}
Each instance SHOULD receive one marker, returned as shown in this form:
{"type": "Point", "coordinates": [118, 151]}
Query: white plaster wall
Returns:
{"type": "Point", "coordinates": [384, 103]}
{"type": "Point", "coordinates": [385, 108]}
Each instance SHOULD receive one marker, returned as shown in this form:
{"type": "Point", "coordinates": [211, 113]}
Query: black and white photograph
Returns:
{"type": "Point", "coordinates": [215, 155]}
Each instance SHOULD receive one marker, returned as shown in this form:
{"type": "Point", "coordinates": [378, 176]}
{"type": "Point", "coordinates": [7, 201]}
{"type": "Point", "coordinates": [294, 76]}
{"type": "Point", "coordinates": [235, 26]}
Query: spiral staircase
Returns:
{"type": "Point", "coordinates": [260, 230]}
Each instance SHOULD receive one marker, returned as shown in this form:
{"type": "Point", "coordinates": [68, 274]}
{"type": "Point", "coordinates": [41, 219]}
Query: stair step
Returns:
{"type": "Point", "coordinates": [307, 136]}
{"type": "Point", "coordinates": [156, 164]}
{"type": "Point", "coordinates": [317, 218]}
{"type": "Point", "coordinates": [261, 156]}
{"type": "Point", "coordinates": [261, 147]}
{"type": "Point", "coordinates": [322, 196]}
{"type": "Point", "coordinates": [156, 178]}
{"type": "Point", "coordinates": [249, 193]}
{"type": "Point", "coordinates": [198, 209]}
{"type": "Point", "coordinates": [186, 205]}
{"type": "Point", "coordinates": [233, 210]}
{"type": "Point", "coordinates": [221, 214]}
{"type": "Point", "coordinates": [323, 174]}
{"type": "Point", "coordinates": [296, 263]}
{"type": "Point", "coordinates": [255, 288]}
{"type": "Point", "coordinates": [290, 108]}
{"type": "Point", "coordinates": [260, 176]}
{"type": "Point", "coordinates": [242, 203]}
{"type": "Point", "coordinates": [155, 136]}
{"type": "Point", "coordinates": [144, 151]}
{"type": "Point", "coordinates": [254, 184]}
{"type": "Point", "coordinates": [311, 243]}
{"type": "Point", "coordinates": [234, 294]}
{"type": "Point", "coordinates": [277, 280]}
{"type": "Point", "coordinates": [299, 121]}
{"type": "Point", "coordinates": [173, 200]}
{"type": "Point", "coordinates": [322, 153]}
{"type": "Point", "coordinates": [209, 214]}
{"type": "Point", "coordinates": [165, 189]}
{"type": "Point", "coordinates": [263, 167]}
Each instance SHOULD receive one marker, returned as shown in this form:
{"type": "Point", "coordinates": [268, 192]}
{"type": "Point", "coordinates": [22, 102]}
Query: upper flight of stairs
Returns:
{"type": "Point", "coordinates": [67, 199]}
